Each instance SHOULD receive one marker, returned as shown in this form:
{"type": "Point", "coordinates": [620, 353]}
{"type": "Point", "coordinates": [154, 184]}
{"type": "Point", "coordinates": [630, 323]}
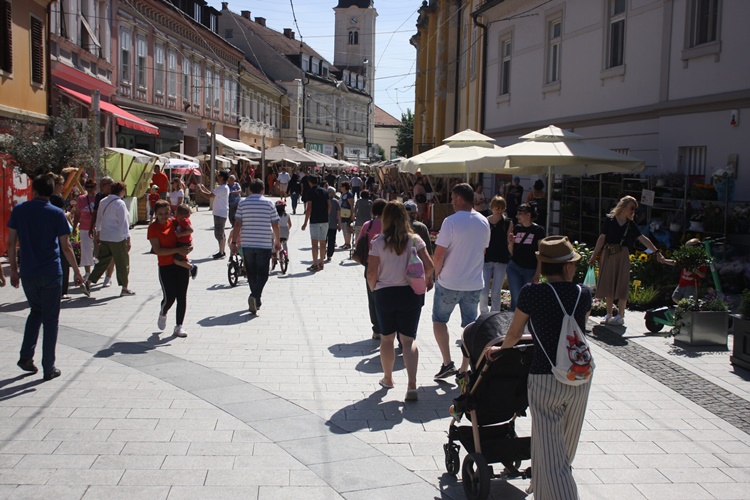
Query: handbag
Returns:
{"type": "Point", "coordinates": [415, 270]}
{"type": "Point", "coordinates": [362, 248]}
{"type": "Point", "coordinates": [590, 280]}
{"type": "Point", "coordinates": [346, 213]}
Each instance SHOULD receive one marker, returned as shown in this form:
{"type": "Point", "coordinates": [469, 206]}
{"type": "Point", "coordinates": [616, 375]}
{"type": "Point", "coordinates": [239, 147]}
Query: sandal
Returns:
{"type": "Point", "coordinates": [384, 384]}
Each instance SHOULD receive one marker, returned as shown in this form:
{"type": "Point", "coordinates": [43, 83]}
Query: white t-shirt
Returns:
{"type": "Point", "coordinates": [221, 202]}
{"type": "Point", "coordinates": [284, 178]}
{"type": "Point", "coordinates": [465, 235]}
{"type": "Point", "coordinates": [392, 268]}
{"type": "Point", "coordinates": [174, 197]}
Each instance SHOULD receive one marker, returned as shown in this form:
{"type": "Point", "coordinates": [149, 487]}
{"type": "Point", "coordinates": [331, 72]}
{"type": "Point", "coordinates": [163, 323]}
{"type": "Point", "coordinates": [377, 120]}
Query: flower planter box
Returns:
{"type": "Point", "coordinates": [704, 328]}
{"type": "Point", "coordinates": [741, 346]}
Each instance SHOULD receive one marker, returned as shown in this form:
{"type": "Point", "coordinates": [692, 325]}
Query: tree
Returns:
{"type": "Point", "coordinates": [405, 135]}
{"type": "Point", "coordinates": [63, 142]}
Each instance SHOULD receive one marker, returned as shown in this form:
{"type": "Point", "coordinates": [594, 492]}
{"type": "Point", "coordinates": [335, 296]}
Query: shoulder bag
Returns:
{"type": "Point", "coordinates": [415, 270]}
{"type": "Point", "coordinates": [362, 248]}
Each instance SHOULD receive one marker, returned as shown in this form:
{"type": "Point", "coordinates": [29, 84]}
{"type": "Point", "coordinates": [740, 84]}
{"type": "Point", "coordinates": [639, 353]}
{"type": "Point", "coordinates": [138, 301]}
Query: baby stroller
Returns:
{"type": "Point", "coordinates": [493, 394]}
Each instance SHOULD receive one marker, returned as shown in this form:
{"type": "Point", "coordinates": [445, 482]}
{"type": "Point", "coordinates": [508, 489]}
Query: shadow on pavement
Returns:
{"type": "Point", "coordinates": [357, 349]}
{"type": "Point", "coordinates": [83, 301]}
{"type": "Point", "coordinates": [233, 318]}
{"type": "Point", "coordinates": [606, 335]}
{"type": "Point", "coordinates": [687, 351]}
{"type": "Point", "coordinates": [19, 390]}
{"type": "Point", "coordinates": [154, 341]}
{"type": "Point", "coordinates": [14, 307]}
{"type": "Point", "coordinates": [372, 365]}
{"type": "Point", "coordinates": [296, 275]}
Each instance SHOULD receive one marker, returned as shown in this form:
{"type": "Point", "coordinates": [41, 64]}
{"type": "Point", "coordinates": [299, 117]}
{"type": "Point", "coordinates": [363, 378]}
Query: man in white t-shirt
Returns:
{"type": "Point", "coordinates": [284, 179]}
{"type": "Point", "coordinates": [220, 196]}
{"type": "Point", "coordinates": [459, 267]}
{"type": "Point", "coordinates": [356, 182]}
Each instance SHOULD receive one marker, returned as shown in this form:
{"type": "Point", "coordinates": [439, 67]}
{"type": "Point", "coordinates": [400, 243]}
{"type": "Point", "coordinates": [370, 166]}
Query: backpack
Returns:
{"type": "Point", "coordinates": [574, 363]}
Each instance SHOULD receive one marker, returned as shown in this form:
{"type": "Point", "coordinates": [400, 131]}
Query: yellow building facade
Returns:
{"type": "Point", "coordinates": [449, 71]}
{"type": "Point", "coordinates": [23, 61]}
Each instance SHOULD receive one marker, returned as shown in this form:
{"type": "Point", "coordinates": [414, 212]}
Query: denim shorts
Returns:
{"type": "Point", "coordinates": [445, 301]}
{"type": "Point", "coordinates": [319, 232]}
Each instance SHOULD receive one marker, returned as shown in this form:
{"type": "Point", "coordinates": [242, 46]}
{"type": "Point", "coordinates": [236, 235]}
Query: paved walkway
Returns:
{"type": "Point", "coordinates": [287, 405]}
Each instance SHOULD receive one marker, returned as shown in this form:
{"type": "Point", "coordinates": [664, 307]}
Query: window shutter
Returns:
{"type": "Point", "coordinates": [37, 51]}
{"type": "Point", "coordinates": [6, 25]}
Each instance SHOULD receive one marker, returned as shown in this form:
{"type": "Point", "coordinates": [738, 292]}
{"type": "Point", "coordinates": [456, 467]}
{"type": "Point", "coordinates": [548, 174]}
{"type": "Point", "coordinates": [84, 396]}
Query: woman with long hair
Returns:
{"type": "Point", "coordinates": [615, 244]}
{"type": "Point", "coordinates": [174, 279]}
{"type": "Point", "coordinates": [398, 306]}
{"type": "Point", "coordinates": [523, 243]}
{"type": "Point", "coordinates": [496, 257]}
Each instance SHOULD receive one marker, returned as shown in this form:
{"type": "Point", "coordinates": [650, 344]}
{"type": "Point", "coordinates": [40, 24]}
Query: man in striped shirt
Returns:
{"type": "Point", "coordinates": [257, 222]}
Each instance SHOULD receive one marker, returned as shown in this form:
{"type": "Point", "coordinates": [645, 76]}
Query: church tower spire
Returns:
{"type": "Point", "coordinates": [354, 45]}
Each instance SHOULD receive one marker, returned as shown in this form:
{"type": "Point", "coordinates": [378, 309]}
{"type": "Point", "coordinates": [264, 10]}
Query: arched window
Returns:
{"type": "Point", "coordinates": [353, 38]}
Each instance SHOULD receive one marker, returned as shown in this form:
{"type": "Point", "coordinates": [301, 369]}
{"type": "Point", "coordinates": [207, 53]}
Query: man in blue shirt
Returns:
{"type": "Point", "coordinates": [37, 225]}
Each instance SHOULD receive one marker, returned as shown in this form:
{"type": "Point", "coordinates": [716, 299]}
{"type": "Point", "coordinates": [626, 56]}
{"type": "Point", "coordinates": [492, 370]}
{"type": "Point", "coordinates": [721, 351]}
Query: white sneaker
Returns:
{"type": "Point", "coordinates": [161, 324]}
{"type": "Point", "coordinates": [179, 331]}
{"type": "Point", "coordinates": [107, 282]}
{"type": "Point", "coordinates": [617, 320]}
{"type": "Point", "coordinates": [607, 320]}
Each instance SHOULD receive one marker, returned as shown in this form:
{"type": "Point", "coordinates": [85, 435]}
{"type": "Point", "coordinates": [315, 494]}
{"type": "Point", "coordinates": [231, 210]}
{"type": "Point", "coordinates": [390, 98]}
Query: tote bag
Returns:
{"type": "Point", "coordinates": [415, 270]}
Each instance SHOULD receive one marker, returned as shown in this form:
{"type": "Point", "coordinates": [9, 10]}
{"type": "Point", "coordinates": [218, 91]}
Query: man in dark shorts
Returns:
{"type": "Point", "coordinates": [317, 208]}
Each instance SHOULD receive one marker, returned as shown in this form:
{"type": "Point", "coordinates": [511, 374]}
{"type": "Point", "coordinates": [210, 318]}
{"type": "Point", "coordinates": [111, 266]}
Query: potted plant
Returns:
{"type": "Point", "coordinates": [741, 346]}
{"type": "Point", "coordinates": [702, 322]}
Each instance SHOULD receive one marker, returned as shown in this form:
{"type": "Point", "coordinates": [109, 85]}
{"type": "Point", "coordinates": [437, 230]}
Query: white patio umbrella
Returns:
{"type": "Point", "coordinates": [453, 156]}
{"type": "Point", "coordinates": [283, 151]}
{"type": "Point", "coordinates": [551, 151]}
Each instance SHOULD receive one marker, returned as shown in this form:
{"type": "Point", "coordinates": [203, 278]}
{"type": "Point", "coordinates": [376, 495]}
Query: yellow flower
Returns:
{"type": "Point", "coordinates": [632, 258]}
{"type": "Point", "coordinates": [643, 257]}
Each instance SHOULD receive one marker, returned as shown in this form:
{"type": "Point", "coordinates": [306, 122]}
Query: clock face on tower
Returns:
{"type": "Point", "coordinates": [354, 20]}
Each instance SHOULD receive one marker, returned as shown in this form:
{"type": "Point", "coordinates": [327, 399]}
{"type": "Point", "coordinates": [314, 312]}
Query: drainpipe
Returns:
{"type": "Point", "coordinates": [475, 17]}
{"type": "Point", "coordinates": [457, 93]}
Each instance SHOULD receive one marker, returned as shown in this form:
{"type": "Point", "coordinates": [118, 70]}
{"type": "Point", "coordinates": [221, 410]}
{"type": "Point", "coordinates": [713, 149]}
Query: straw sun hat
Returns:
{"type": "Point", "coordinates": [557, 250]}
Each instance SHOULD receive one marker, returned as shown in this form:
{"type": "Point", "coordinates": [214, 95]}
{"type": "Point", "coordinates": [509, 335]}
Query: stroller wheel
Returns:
{"type": "Point", "coordinates": [452, 461]}
{"type": "Point", "coordinates": [475, 475]}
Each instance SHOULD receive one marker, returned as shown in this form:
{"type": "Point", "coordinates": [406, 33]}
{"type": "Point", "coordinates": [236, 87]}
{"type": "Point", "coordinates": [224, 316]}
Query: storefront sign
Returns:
{"type": "Point", "coordinates": [328, 149]}
{"type": "Point", "coordinates": [312, 146]}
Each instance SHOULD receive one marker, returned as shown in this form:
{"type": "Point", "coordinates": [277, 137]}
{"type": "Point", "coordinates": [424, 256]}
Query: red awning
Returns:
{"type": "Point", "coordinates": [123, 118]}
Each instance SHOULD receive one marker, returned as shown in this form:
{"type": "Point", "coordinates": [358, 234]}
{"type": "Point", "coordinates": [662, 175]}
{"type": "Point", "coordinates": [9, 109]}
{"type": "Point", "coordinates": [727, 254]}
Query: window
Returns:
{"type": "Point", "coordinates": [324, 69]}
{"type": "Point", "coordinates": [305, 63]}
{"type": "Point", "coordinates": [308, 107]}
{"type": "Point", "coordinates": [196, 84]}
{"type": "Point", "coordinates": [186, 81]}
{"type": "Point", "coordinates": [212, 23]}
{"type": "Point", "coordinates": [353, 38]}
{"type": "Point", "coordinates": [227, 95]}
{"type": "Point", "coordinates": [506, 49]}
{"type": "Point", "coordinates": [125, 64]}
{"type": "Point", "coordinates": [6, 36]}
{"type": "Point", "coordinates": [233, 97]}
{"type": "Point", "coordinates": [37, 51]}
{"type": "Point", "coordinates": [315, 66]}
{"type": "Point", "coordinates": [704, 21]}
{"type": "Point", "coordinates": [554, 38]}
{"type": "Point", "coordinates": [692, 160]}
{"type": "Point", "coordinates": [159, 69]}
{"type": "Point", "coordinates": [171, 72]}
{"type": "Point", "coordinates": [209, 88]}
{"type": "Point", "coordinates": [317, 112]}
{"type": "Point", "coordinates": [217, 90]}
{"type": "Point", "coordinates": [197, 12]}
{"type": "Point", "coordinates": [616, 33]}
{"type": "Point", "coordinates": [140, 61]}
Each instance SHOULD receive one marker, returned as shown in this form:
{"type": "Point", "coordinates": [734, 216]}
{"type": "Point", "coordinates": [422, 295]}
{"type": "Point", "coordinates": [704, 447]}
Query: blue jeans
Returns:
{"type": "Point", "coordinates": [445, 301]}
{"type": "Point", "coordinates": [493, 272]}
{"type": "Point", "coordinates": [257, 261]}
{"type": "Point", "coordinates": [517, 277]}
{"type": "Point", "coordinates": [43, 293]}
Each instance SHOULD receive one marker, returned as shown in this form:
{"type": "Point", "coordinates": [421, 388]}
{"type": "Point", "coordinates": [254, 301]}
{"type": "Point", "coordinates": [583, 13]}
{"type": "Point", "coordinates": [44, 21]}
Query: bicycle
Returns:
{"type": "Point", "coordinates": [281, 258]}
{"type": "Point", "coordinates": [235, 269]}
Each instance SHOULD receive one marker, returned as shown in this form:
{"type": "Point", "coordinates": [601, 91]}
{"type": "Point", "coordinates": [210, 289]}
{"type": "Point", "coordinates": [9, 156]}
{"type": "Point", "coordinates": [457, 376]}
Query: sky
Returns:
{"type": "Point", "coordinates": [395, 58]}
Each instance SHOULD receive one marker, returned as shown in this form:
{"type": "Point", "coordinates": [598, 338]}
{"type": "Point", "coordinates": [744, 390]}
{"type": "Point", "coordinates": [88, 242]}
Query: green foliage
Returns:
{"type": "Point", "coordinates": [745, 304]}
{"type": "Point", "coordinates": [405, 135]}
{"type": "Point", "coordinates": [712, 301]}
{"type": "Point", "coordinates": [64, 142]}
{"type": "Point", "coordinates": [642, 295]}
{"type": "Point", "coordinates": [582, 266]}
{"type": "Point", "coordinates": [690, 258]}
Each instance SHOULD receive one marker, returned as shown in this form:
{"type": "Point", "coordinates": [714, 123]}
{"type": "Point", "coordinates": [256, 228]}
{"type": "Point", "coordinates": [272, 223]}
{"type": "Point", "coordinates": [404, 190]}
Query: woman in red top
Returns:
{"type": "Point", "coordinates": [173, 278]}
{"type": "Point", "coordinates": [82, 221]}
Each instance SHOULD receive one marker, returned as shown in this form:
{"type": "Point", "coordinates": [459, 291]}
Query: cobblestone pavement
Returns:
{"type": "Point", "coordinates": [287, 405]}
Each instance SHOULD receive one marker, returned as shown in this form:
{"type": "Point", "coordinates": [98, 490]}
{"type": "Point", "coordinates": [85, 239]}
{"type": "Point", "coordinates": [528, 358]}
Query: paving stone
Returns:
{"type": "Point", "coordinates": [128, 462]}
{"type": "Point", "coordinates": [247, 477]}
{"type": "Point", "coordinates": [353, 475]}
{"type": "Point", "coordinates": [296, 492]}
{"type": "Point", "coordinates": [127, 423]}
{"type": "Point", "coordinates": [202, 462]}
{"type": "Point", "coordinates": [89, 448]}
{"type": "Point", "coordinates": [126, 492]}
{"type": "Point", "coordinates": [25, 476]}
{"type": "Point", "coordinates": [86, 477]}
{"type": "Point", "coordinates": [728, 491]}
{"type": "Point", "coordinates": [628, 476]}
{"type": "Point", "coordinates": [686, 491]}
{"type": "Point", "coordinates": [204, 492]}
{"type": "Point", "coordinates": [44, 492]}
{"type": "Point", "coordinates": [163, 477]}
{"type": "Point", "coordinates": [159, 449]}
{"type": "Point", "coordinates": [56, 462]}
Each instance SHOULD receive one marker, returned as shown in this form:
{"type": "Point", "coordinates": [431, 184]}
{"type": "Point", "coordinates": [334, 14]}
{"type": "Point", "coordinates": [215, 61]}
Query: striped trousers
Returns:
{"type": "Point", "coordinates": [557, 413]}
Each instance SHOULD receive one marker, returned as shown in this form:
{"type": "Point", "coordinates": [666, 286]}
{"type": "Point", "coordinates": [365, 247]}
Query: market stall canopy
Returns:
{"type": "Point", "coordinates": [283, 151]}
{"type": "Point", "coordinates": [565, 152]}
{"type": "Point", "coordinates": [122, 117]}
{"type": "Point", "coordinates": [239, 147]}
{"type": "Point", "coordinates": [284, 160]}
{"type": "Point", "coordinates": [245, 158]}
{"type": "Point", "coordinates": [226, 162]}
{"type": "Point", "coordinates": [453, 156]}
{"type": "Point", "coordinates": [174, 154]}
{"type": "Point", "coordinates": [131, 167]}
{"type": "Point", "coordinates": [160, 158]}
{"type": "Point", "coordinates": [328, 161]}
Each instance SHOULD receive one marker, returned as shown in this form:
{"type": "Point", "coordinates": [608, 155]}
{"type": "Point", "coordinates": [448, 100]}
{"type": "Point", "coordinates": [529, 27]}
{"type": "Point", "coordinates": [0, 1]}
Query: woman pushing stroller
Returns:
{"type": "Point", "coordinates": [557, 408]}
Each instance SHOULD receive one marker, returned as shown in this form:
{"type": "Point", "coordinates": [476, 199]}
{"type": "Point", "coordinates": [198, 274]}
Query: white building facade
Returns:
{"type": "Point", "coordinates": [667, 81]}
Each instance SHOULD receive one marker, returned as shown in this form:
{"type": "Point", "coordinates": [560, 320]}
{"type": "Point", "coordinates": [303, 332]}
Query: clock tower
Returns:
{"type": "Point", "coordinates": [354, 45]}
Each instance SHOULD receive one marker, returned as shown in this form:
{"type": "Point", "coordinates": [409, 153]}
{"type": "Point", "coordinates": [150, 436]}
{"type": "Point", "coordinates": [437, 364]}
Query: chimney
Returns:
{"type": "Point", "coordinates": [260, 20]}
{"type": "Point", "coordinates": [224, 5]}
{"type": "Point", "coordinates": [292, 35]}
{"type": "Point", "coordinates": [288, 33]}
{"type": "Point", "coordinates": [246, 14]}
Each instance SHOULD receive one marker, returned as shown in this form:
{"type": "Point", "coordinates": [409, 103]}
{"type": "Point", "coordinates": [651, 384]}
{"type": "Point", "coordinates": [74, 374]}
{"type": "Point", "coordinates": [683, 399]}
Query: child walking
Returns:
{"type": "Point", "coordinates": [690, 279]}
{"type": "Point", "coordinates": [285, 224]}
{"type": "Point", "coordinates": [153, 197]}
{"type": "Point", "coordinates": [184, 232]}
